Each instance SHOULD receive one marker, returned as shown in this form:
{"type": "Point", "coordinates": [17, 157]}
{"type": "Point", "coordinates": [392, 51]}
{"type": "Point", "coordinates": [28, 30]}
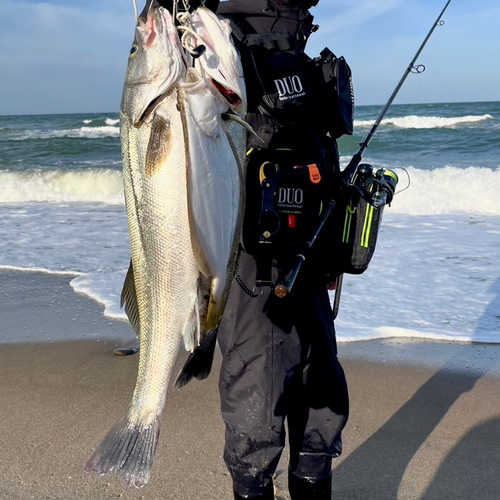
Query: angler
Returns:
{"type": "Point", "coordinates": [305, 224]}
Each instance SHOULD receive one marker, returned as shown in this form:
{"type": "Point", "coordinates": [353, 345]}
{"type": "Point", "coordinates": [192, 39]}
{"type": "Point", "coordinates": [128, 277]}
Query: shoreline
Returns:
{"type": "Point", "coordinates": [54, 317]}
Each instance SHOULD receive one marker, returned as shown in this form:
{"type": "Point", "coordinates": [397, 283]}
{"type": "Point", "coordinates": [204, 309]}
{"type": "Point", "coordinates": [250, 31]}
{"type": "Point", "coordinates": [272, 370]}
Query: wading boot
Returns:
{"type": "Point", "coordinates": [303, 489]}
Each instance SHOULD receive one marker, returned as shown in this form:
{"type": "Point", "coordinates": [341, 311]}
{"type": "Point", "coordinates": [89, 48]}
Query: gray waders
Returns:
{"type": "Point", "coordinates": [280, 362]}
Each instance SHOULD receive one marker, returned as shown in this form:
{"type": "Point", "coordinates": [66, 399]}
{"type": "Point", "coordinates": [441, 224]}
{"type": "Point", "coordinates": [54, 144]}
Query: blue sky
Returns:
{"type": "Point", "coordinates": [65, 56]}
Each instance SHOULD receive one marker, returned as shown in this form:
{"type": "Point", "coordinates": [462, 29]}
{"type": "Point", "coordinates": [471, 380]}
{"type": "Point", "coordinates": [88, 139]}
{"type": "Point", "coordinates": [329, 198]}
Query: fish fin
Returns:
{"type": "Point", "coordinates": [216, 305]}
{"type": "Point", "coordinates": [191, 334]}
{"type": "Point", "coordinates": [127, 351]}
{"type": "Point", "coordinates": [159, 146]}
{"type": "Point", "coordinates": [199, 363]}
{"type": "Point", "coordinates": [128, 449]}
{"type": "Point", "coordinates": [129, 300]}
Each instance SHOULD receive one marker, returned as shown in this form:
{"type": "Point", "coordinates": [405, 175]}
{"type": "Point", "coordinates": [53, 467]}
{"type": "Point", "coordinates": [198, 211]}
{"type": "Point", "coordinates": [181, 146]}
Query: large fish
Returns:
{"type": "Point", "coordinates": [218, 73]}
{"type": "Point", "coordinates": [176, 285]}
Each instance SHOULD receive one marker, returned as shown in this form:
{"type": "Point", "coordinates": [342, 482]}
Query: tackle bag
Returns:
{"type": "Point", "coordinates": [294, 89]}
{"type": "Point", "coordinates": [353, 234]}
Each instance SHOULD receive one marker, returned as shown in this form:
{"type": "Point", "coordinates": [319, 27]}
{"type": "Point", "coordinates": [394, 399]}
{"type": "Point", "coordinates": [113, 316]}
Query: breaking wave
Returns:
{"type": "Point", "coordinates": [449, 190]}
{"type": "Point", "coordinates": [82, 132]}
{"type": "Point", "coordinates": [426, 122]}
{"type": "Point", "coordinates": [58, 186]}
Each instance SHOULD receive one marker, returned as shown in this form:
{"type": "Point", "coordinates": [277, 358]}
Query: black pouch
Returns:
{"type": "Point", "coordinates": [278, 85]}
{"type": "Point", "coordinates": [334, 93]}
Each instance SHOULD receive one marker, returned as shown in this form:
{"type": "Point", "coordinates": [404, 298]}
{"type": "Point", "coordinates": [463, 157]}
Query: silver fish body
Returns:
{"type": "Point", "coordinates": [214, 184]}
{"type": "Point", "coordinates": [166, 279]}
{"type": "Point", "coordinates": [165, 272]}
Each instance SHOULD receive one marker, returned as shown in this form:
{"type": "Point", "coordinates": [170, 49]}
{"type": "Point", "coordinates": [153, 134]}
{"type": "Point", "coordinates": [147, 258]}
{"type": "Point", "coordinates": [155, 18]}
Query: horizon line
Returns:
{"type": "Point", "coordinates": [356, 105]}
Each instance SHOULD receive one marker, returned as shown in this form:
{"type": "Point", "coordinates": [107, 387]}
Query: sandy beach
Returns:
{"type": "Point", "coordinates": [424, 424]}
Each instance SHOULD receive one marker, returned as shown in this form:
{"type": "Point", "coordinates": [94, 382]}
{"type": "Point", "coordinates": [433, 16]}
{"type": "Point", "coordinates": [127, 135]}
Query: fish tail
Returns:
{"type": "Point", "coordinates": [199, 363]}
{"type": "Point", "coordinates": [128, 450]}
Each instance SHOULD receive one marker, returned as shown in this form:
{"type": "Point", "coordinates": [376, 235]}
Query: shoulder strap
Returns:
{"type": "Point", "coordinates": [275, 26]}
{"type": "Point", "coordinates": [248, 36]}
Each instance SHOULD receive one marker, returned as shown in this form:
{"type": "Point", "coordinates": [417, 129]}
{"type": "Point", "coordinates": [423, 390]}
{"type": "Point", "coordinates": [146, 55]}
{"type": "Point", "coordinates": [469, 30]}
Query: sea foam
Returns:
{"type": "Point", "coordinates": [82, 132]}
{"type": "Point", "coordinates": [427, 122]}
{"type": "Point", "coordinates": [449, 190]}
{"type": "Point", "coordinates": [56, 186]}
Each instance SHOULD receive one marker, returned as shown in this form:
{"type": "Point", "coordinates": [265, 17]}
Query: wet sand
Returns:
{"type": "Point", "coordinates": [424, 424]}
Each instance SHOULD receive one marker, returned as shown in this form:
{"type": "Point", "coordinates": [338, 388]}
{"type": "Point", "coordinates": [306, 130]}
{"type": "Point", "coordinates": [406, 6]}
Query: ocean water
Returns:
{"type": "Point", "coordinates": [436, 270]}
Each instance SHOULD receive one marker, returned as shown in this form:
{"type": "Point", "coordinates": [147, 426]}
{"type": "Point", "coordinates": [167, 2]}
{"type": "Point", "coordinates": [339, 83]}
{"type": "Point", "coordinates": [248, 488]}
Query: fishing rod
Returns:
{"type": "Point", "coordinates": [351, 168]}
{"type": "Point", "coordinates": [285, 286]}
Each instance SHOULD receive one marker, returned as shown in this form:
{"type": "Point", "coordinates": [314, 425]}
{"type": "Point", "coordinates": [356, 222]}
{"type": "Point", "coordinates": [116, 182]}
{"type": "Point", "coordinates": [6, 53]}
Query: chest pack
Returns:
{"type": "Point", "coordinates": [287, 192]}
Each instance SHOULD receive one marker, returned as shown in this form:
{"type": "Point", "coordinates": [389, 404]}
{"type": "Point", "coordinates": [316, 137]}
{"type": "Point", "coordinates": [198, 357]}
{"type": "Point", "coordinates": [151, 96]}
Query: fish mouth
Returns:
{"type": "Point", "coordinates": [231, 97]}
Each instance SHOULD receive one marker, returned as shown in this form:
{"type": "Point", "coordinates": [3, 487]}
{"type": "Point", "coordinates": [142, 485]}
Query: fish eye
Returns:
{"type": "Point", "coordinates": [133, 50]}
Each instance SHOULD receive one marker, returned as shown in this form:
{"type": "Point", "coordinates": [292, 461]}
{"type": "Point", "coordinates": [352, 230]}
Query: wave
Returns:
{"type": "Point", "coordinates": [448, 190]}
{"type": "Point", "coordinates": [107, 121]}
{"type": "Point", "coordinates": [426, 122]}
{"type": "Point", "coordinates": [82, 132]}
{"type": "Point", "coordinates": [95, 132]}
{"type": "Point", "coordinates": [58, 186]}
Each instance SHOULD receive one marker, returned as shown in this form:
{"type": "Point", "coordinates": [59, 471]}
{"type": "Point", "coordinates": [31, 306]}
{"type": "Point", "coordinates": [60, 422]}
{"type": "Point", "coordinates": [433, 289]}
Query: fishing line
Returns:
{"type": "Point", "coordinates": [418, 70]}
{"type": "Point", "coordinates": [184, 19]}
{"type": "Point", "coordinates": [136, 12]}
{"type": "Point", "coordinates": [407, 175]}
